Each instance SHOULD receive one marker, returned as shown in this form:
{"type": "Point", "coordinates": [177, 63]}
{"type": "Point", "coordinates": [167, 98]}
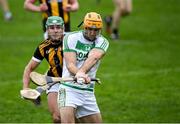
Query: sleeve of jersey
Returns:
{"type": "Point", "coordinates": [102, 44]}
{"type": "Point", "coordinates": [37, 55]}
{"type": "Point", "coordinates": [68, 44]}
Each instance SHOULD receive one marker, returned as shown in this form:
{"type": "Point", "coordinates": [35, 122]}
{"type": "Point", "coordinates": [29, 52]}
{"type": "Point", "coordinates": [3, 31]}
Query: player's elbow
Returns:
{"type": "Point", "coordinates": [75, 7]}
{"type": "Point", "coordinates": [26, 6]}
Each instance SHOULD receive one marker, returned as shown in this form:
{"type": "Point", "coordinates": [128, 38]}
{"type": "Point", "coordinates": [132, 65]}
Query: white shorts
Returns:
{"type": "Point", "coordinates": [84, 102]}
{"type": "Point", "coordinates": [54, 88]}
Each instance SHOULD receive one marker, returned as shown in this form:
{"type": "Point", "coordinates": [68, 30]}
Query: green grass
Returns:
{"type": "Point", "coordinates": [140, 73]}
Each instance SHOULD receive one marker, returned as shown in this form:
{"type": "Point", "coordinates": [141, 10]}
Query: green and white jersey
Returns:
{"type": "Point", "coordinates": [75, 42]}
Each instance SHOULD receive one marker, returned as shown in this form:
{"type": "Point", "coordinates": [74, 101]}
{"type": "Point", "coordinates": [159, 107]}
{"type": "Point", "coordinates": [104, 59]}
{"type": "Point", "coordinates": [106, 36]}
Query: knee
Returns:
{"type": "Point", "coordinates": [56, 118]}
{"type": "Point", "coordinates": [126, 12]}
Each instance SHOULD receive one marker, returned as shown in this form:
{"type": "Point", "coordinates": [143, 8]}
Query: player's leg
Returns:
{"type": "Point", "coordinates": [67, 114]}
{"type": "Point", "coordinates": [52, 103]}
{"type": "Point", "coordinates": [108, 23]}
{"type": "Point", "coordinates": [116, 18]}
{"type": "Point", "coordinates": [66, 104]}
{"type": "Point", "coordinates": [68, 100]}
{"type": "Point", "coordinates": [95, 118]}
{"type": "Point", "coordinates": [126, 7]}
{"type": "Point", "coordinates": [5, 7]}
{"type": "Point", "coordinates": [53, 107]}
{"type": "Point", "coordinates": [117, 13]}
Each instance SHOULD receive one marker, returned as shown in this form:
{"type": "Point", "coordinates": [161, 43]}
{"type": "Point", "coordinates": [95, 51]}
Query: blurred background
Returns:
{"type": "Point", "coordinates": [140, 72]}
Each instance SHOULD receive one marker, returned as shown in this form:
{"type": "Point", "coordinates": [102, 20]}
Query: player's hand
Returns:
{"type": "Point", "coordinates": [67, 8]}
{"type": "Point", "coordinates": [82, 77]}
{"type": "Point", "coordinates": [43, 7]}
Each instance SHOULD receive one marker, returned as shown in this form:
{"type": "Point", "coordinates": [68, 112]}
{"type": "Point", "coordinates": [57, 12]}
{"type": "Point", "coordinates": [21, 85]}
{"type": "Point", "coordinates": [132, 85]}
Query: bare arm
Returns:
{"type": "Point", "coordinates": [29, 5]}
{"type": "Point", "coordinates": [94, 56]}
{"type": "Point", "coordinates": [72, 6]}
{"type": "Point", "coordinates": [70, 58]}
{"type": "Point", "coordinates": [28, 69]}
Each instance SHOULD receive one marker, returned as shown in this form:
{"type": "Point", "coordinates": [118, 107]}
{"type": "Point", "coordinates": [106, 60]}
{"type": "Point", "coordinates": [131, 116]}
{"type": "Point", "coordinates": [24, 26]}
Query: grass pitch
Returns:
{"type": "Point", "coordinates": [140, 73]}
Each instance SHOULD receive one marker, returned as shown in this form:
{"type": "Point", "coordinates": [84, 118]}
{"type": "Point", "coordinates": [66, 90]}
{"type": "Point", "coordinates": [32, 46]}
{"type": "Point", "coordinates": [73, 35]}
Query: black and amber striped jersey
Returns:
{"type": "Point", "coordinates": [54, 56]}
{"type": "Point", "coordinates": [55, 8]}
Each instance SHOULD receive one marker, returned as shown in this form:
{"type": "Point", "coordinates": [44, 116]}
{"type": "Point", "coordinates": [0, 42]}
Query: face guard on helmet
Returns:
{"type": "Point", "coordinates": [93, 20]}
{"type": "Point", "coordinates": [92, 25]}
